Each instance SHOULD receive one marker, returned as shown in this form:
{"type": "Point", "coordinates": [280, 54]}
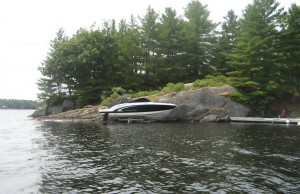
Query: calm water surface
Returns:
{"type": "Point", "coordinates": [61, 157]}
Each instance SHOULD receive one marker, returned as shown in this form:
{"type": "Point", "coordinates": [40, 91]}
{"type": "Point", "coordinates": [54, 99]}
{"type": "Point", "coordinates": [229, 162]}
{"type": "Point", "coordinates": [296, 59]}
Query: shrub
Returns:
{"type": "Point", "coordinates": [55, 100]}
{"type": "Point", "coordinates": [111, 99]}
{"type": "Point", "coordinates": [144, 93]}
{"type": "Point", "coordinates": [118, 89]}
{"type": "Point", "coordinates": [201, 83]}
{"type": "Point", "coordinates": [171, 87]}
{"type": "Point", "coordinates": [211, 81]}
{"type": "Point", "coordinates": [239, 97]}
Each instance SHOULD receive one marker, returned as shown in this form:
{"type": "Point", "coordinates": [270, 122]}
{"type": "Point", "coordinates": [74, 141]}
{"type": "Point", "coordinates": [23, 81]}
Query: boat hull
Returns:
{"type": "Point", "coordinates": [155, 115]}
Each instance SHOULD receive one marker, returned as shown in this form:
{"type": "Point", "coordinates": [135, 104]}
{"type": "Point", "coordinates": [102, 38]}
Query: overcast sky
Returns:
{"type": "Point", "coordinates": [28, 26]}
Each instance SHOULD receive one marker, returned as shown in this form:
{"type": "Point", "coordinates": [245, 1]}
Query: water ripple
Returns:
{"type": "Point", "coordinates": [61, 157]}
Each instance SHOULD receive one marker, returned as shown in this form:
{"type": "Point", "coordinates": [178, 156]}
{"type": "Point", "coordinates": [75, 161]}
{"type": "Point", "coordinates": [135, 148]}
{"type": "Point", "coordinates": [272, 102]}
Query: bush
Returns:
{"type": "Point", "coordinates": [171, 87]}
{"type": "Point", "coordinates": [144, 93]}
{"type": "Point", "coordinates": [239, 97]}
{"type": "Point", "coordinates": [55, 100]}
{"type": "Point", "coordinates": [211, 81]}
{"type": "Point", "coordinates": [118, 89]}
{"type": "Point", "coordinates": [201, 83]}
{"type": "Point", "coordinates": [110, 100]}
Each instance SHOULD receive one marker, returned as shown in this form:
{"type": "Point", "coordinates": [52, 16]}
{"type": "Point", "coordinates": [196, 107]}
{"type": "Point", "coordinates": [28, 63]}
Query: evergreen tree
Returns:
{"type": "Point", "coordinates": [149, 30]}
{"type": "Point", "coordinates": [228, 40]}
{"type": "Point", "coordinates": [94, 64]}
{"type": "Point", "coordinates": [129, 66]}
{"type": "Point", "coordinates": [255, 54]}
{"type": "Point", "coordinates": [199, 41]}
{"type": "Point", "coordinates": [171, 39]}
{"type": "Point", "coordinates": [255, 58]}
{"type": "Point", "coordinates": [255, 51]}
{"type": "Point", "coordinates": [48, 89]}
{"type": "Point", "coordinates": [53, 69]}
{"type": "Point", "coordinates": [290, 46]}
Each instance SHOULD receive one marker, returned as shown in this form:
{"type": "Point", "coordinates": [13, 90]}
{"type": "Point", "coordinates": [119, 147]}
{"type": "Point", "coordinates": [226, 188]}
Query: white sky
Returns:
{"type": "Point", "coordinates": [28, 26]}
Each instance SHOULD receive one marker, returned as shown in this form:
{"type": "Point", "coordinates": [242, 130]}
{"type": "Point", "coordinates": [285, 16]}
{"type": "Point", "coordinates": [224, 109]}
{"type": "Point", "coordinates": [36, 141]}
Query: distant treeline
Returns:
{"type": "Point", "coordinates": [259, 53]}
{"type": "Point", "coordinates": [17, 104]}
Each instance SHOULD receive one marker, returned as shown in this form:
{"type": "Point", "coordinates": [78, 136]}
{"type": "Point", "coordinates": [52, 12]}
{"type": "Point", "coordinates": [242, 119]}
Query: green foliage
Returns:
{"type": "Point", "coordinates": [211, 81]}
{"type": "Point", "coordinates": [130, 56]}
{"type": "Point", "coordinates": [199, 39]}
{"type": "Point", "coordinates": [290, 47]}
{"type": "Point", "coordinates": [118, 89]}
{"type": "Point", "coordinates": [107, 101]}
{"type": "Point", "coordinates": [238, 82]}
{"type": "Point", "coordinates": [274, 88]}
{"type": "Point", "coordinates": [257, 94]}
{"type": "Point", "coordinates": [110, 100]}
{"type": "Point", "coordinates": [228, 40]}
{"type": "Point", "coordinates": [261, 59]}
{"type": "Point", "coordinates": [171, 38]}
{"type": "Point", "coordinates": [255, 54]}
{"type": "Point", "coordinates": [171, 87]}
{"type": "Point", "coordinates": [234, 73]}
{"type": "Point", "coordinates": [144, 93]}
{"type": "Point", "coordinates": [239, 97]}
{"type": "Point", "coordinates": [55, 100]}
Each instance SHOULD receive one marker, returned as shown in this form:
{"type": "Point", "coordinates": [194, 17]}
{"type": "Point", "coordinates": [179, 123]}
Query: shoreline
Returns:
{"type": "Point", "coordinates": [83, 114]}
{"type": "Point", "coordinates": [206, 104]}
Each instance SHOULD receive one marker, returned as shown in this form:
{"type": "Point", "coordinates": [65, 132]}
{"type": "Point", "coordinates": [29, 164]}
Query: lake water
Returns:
{"type": "Point", "coordinates": [64, 157]}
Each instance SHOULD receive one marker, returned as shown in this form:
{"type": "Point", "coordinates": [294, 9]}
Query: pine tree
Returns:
{"type": "Point", "coordinates": [256, 58]}
{"type": "Point", "coordinates": [228, 40]}
{"type": "Point", "coordinates": [129, 69]}
{"type": "Point", "coordinates": [149, 30]}
{"type": "Point", "coordinates": [170, 47]}
{"type": "Point", "coordinates": [255, 53]}
{"type": "Point", "coordinates": [200, 40]}
{"type": "Point", "coordinates": [53, 69]}
{"type": "Point", "coordinates": [290, 47]}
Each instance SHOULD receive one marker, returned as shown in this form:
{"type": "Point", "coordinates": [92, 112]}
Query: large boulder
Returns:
{"type": "Point", "coordinates": [55, 109]}
{"type": "Point", "coordinates": [68, 104]}
{"type": "Point", "coordinates": [42, 111]}
{"type": "Point", "coordinates": [205, 104]}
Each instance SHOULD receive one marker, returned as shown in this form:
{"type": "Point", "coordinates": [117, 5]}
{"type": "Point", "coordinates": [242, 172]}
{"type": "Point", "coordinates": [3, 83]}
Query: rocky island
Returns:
{"type": "Point", "coordinates": [198, 105]}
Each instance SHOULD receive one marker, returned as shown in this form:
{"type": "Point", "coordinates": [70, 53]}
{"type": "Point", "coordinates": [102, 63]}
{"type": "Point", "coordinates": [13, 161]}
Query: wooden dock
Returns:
{"type": "Point", "coordinates": [266, 120]}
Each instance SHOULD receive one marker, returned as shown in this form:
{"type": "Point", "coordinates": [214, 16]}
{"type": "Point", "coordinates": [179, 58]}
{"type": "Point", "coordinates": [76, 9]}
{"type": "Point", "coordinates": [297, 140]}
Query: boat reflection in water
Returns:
{"type": "Point", "coordinates": [139, 109]}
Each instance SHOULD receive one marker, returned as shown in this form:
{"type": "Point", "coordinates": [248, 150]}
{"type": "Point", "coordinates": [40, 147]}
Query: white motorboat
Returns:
{"type": "Point", "coordinates": [138, 110]}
